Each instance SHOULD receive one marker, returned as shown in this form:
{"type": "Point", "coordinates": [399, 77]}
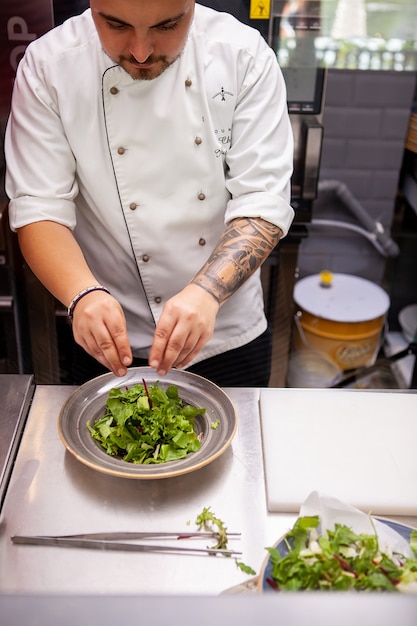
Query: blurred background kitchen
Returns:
{"type": "Point", "coordinates": [350, 68]}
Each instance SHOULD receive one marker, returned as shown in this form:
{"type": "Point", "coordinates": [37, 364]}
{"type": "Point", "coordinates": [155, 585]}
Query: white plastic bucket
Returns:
{"type": "Point", "coordinates": [340, 317]}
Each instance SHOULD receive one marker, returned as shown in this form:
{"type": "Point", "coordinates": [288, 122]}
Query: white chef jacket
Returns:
{"type": "Point", "coordinates": [147, 173]}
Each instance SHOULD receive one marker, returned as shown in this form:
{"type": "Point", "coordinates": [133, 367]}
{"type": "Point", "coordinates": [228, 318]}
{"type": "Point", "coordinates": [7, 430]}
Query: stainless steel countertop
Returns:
{"type": "Point", "coordinates": [50, 492]}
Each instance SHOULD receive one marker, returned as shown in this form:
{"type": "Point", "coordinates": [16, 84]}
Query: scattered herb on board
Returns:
{"type": "Point", "coordinates": [339, 560]}
{"type": "Point", "coordinates": [209, 522]}
{"type": "Point", "coordinates": [145, 425]}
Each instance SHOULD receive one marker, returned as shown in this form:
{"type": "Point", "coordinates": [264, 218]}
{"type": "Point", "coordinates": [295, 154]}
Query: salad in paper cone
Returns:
{"type": "Point", "coordinates": [333, 546]}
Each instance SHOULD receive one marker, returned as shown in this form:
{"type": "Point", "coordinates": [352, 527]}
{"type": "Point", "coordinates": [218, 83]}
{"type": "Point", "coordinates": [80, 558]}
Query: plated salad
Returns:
{"type": "Point", "coordinates": [145, 425]}
{"type": "Point", "coordinates": [339, 560]}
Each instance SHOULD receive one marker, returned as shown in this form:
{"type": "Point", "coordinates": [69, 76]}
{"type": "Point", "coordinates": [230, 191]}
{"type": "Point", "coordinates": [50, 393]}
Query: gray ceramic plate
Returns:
{"type": "Point", "coordinates": [88, 402]}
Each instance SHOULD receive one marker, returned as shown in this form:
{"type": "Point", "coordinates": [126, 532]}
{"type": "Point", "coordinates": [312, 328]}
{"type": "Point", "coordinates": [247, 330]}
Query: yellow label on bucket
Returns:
{"type": "Point", "coordinates": [347, 345]}
{"type": "Point", "coordinates": [351, 356]}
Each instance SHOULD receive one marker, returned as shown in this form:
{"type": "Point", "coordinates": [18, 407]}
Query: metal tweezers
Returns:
{"type": "Point", "coordinates": [120, 541]}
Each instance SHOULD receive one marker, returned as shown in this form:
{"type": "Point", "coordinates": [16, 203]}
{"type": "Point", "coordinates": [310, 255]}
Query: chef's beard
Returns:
{"type": "Point", "coordinates": [160, 64]}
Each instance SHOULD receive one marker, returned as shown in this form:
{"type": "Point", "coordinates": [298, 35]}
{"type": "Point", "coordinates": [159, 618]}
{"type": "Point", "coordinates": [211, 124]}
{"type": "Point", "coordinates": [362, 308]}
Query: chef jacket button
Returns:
{"type": "Point", "coordinates": [198, 141]}
{"type": "Point", "coordinates": [202, 241]}
{"type": "Point", "coordinates": [145, 258]}
{"type": "Point", "coordinates": [158, 300]}
{"type": "Point", "coordinates": [188, 82]}
{"type": "Point", "coordinates": [114, 91]}
{"type": "Point", "coordinates": [121, 150]}
{"type": "Point", "coordinates": [133, 206]}
{"type": "Point", "coordinates": [201, 196]}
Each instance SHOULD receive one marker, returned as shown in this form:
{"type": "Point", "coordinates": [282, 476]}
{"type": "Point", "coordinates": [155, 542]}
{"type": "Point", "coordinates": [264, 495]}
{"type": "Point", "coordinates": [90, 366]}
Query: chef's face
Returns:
{"type": "Point", "coordinates": [143, 36]}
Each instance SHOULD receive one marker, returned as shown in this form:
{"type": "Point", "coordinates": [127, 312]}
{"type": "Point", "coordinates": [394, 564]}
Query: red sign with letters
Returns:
{"type": "Point", "coordinates": [21, 21]}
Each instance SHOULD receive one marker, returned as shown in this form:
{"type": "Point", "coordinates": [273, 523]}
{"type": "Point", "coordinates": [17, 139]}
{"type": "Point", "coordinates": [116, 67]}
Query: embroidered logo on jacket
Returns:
{"type": "Point", "coordinates": [222, 94]}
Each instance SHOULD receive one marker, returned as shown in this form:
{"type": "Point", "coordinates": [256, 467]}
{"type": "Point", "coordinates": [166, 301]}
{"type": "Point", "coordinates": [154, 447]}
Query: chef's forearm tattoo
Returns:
{"type": "Point", "coordinates": [243, 247]}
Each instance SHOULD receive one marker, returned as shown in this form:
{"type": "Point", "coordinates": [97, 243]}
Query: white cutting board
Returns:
{"type": "Point", "coordinates": [357, 446]}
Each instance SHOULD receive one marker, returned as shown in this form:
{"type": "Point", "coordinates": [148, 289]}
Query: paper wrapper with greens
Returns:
{"type": "Point", "coordinates": [332, 511]}
{"type": "Point", "coordinates": [334, 546]}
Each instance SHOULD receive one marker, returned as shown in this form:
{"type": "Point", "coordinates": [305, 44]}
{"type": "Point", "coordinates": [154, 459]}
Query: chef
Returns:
{"type": "Point", "coordinates": [149, 155]}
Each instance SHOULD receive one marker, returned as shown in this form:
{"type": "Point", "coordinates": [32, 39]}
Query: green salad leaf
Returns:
{"type": "Point", "coordinates": [145, 424]}
{"type": "Point", "coordinates": [208, 521]}
{"type": "Point", "coordinates": [339, 560]}
{"type": "Point", "coordinates": [247, 569]}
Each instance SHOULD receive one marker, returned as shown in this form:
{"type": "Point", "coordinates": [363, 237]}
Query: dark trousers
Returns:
{"type": "Point", "coordinates": [247, 366]}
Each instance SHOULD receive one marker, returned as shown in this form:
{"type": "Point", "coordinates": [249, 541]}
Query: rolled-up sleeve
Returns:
{"type": "Point", "coordinates": [40, 173]}
{"type": "Point", "coordinates": [260, 159]}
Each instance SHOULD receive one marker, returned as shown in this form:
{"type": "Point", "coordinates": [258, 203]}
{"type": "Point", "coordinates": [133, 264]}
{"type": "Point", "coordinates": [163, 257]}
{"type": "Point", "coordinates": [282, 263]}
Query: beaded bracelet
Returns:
{"type": "Point", "coordinates": [80, 295]}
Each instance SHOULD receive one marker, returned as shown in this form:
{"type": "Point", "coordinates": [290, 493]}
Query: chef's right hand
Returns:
{"type": "Point", "coordinates": [99, 326]}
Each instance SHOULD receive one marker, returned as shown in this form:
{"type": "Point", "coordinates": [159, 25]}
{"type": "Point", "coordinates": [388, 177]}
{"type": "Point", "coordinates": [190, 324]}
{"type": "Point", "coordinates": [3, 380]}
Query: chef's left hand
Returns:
{"type": "Point", "coordinates": [185, 326]}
